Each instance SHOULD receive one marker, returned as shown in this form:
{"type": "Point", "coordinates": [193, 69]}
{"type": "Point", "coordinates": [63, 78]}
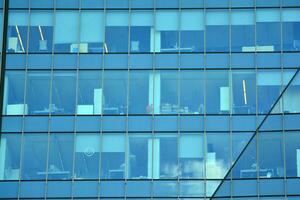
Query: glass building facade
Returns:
{"type": "Point", "coordinates": [150, 99]}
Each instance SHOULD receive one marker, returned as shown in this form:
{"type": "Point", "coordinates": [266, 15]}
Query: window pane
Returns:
{"type": "Point", "coordinates": [10, 148]}
{"type": "Point", "coordinates": [165, 163]}
{"type": "Point", "coordinates": [242, 31]}
{"type": "Point", "coordinates": [141, 32]}
{"type": "Point", "coordinates": [63, 93]}
{"type": "Point", "coordinates": [271, 155]}
{"type": "Point", "coordinates": [87, 155]}
{"type": "Point", "coordinates": [291, 29]}
{"type": "Point", "coordinates": [140, 156]}
{"type": "Point", "coordinates": [91, 31]}
{"type": "Point", "coordinates": [38, 92]}
{"type": "Point", "coordinates": [67, 32]}
{"type": "Point", "coordinates": [191, 156]}
{"type": "Point", "coordinates": [192, 31]}
{"type": "Point", "coordinates": [113, 156]}
{"type": "Point", "coordinates": [61, 156]}
{"type": "Point", "coordinates": [41, 32]}
{"type": "Point", "coordinates": [217, 92]}
{"type": "Point", "coordinates": [167, 97]}
{"type": "Point", "coordinates": [141, 90]}
{"type": "Point", "coordinates": [292, 154]}
{"type": "Point", "coordinates": [115, 92]}
{"type": "Point", "coordinates": [17, 32]}
{"type": "Point", "coordinates": [166, 33]}
{"type": "Point", "coordinates": [268, 30]}
{"type": "Point", "coordinates": [217, 22]}
{"type": "Point", "coordinates": [13, 100]}
{"type": "Point", "coordinates": [191, 92]}
{"type": "Point", "coordinates": [217, 155]}
{"type": "Point", "coordinates": [90, 93]}
{"type": "Point", "coordinates": [116, 32]}
{"type": "Point", "coordinates": [244, 92]}
{"type": "Point", "coordinates": [268, 90]}
{"type": "Point", "coordinates": [34, 156]}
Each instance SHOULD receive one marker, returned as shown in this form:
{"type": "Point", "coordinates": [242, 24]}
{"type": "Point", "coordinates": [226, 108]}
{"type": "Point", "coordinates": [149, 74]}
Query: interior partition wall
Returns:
{"type": "Point", "coordinates": [152, 99]}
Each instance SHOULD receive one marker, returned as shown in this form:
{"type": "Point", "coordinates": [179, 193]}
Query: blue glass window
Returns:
{"type": "Point", "coordinates": [10, 146]}
{"type": "Point", "coordinates": [41, 32]}
{"type": "Point", "coordinates": [116, 32]}
{"type": "Point", "coordinates": [13, 101]}
{"type": "Point", "coordinates": [113, 156]}
{"type": "Point", "coordinates": [38, 92]}
{"type": "Point", "coordinates": [34, 156]}
{"type": "Point", "coordinates": [66, 32]}
{"type": "Point", "coordinates": [166, 31]}
{"type": "Point", "coordinates": [192, 31]}
{"type": "Point", "coordinates": [61, 149]}
{"type": "Point", "coordinates": [292, 153]}
{"type": "Point", "coordinates": [87, 155]}
{"type": "Point", "coordinates": [217, 22]}
{"type": "Point", "coordinates": [17, 32]}
{"type": "Point", "coordinates": [291, 29]}
{"type": "Point", "coordinates": [242, 31]}
{"type": "Point", "coordinates": [166, 92]}
{"type": "Point", "coordinates": [90, 93]}
{"type": "Point", "coordinates": [91, 32]}
{"type": "Point", "coordinates": [268, 30]}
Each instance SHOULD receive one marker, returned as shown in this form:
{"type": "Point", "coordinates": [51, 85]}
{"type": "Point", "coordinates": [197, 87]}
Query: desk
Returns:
{"type": "Point", "coordinates": [252, 173]}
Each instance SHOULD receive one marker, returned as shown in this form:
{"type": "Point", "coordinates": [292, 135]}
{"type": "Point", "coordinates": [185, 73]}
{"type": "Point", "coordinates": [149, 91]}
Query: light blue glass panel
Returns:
{"type": "Point", "coordinates": [113, 156]}
{"type": "Point", "coordinates": [116, 61]}
{"type": "Point", "coordinates": [244, 187]}
{"type": "Point", "coordinates": [9, 189]}
{"type": "Point", "coordinates": [243, 92]}
{"type": "Point", "coordinates": [217, 155]}
{"type": "Point", "coordinates": [140, 157]}
{"type": "Point", "coordinates": [167, 4]}
{"type": "Point", "coordinates": [140, 92]}
{"type": "Point", "coordinates": [267, 3]}
{"type": "Point", "coordinates": [36, 124]}
{"type": "Point", "coordinates": [216, 3]}
{"type": "Point", "coordinates": [191, 61]}
{"type": "Point", "coordinates": [165, 156]}
{"type": "Point", "coordinates": [192, 3]}
{"type": "Point", "coordinates": [141, 4]}
{"type": "Point", "coordinates": [38, 92]}
{"type": "Point", "coordinates": [141, 61]}
{"type": "Point", "coordinates": [242, 60]}
{"type": "Point", "coordinates": [166, 60]}
{"type": "Point", "coordinates": [90, 93]}
{"type": "Point", "coordinates": [165, 123]}
{"type": "Point", "coordinates": [217, 21]}
{"type": "Point", "coordinates": [41, 32]}
{"type": "Point", "coordinates": [244, 3]}
{"type": "Point", "coordinates": [61, 123]}
{"type": "Point", "coordinates": [10, 146]}
{"type": "Point", "coordinates": [114, 123]}
{"type": "Point", "coordinates": [271, 187]}
{"type": "Point", "coordinates": [117, 3]}
{"type": "Point", "coordinates": [192, 123]}
{"type": "Point", "coordinates": [60, 163]}
{"type": "Point", "coordinates": [291, 29]}
{"type": "Point", "coordinates": [268, 60]}
{"type": "Point", "coordinates": [17, 32]}
{"type": "Point", "coordinates": [87, 155]}
{"type": "Point", "coordinates": [243, 123]}
{"type": "Point", "coordinates": [13, 100]}
{"type": "Point", "coordinates": [63, 93]}
{"type": "Point", "coordinates": [66, 3]}
{"type": "Point", "coordinates": [90, 61]}
{"type": "Point", "coordinates": [91, 35]}
{"type": "Point", "coordinates": [15, 61]}
{"type": "Point", "coordinates": [290, 2]}
{"type": "Point", "coordinates": [191, 156]}
{"type": "Point", "coordinates": [292, 96]}
{"type": "Point", "coordinates": [141, 32]}
{"type": "Point", "coordinates": [218, 60]}
{"type": "Point", "coordinates": [92, 3]}
{"type": "Point", "coordinates": [12, 124]}
{"type": "Point", "coordinates": [115, 87]}
{"type": "Point", "coordinates": [217, 92]}
{"type": "Point", "coordinates": [88, 123]}
{"type": "Point", "coordinates": [34, 156]}
{"type": "Point", "coordinates": [166, 33]}
{"type": "Point", "coordinates": [292, 154]}
{"type": "Point", "coordinates": [112, 189]}
{"type": "Point", "coordinates": [222, 121]}
{"type": "Point", "coordinates": [41, 4]}
{"type": "Point", "coordinates": [66, 32]}
{"type": "Point", "coordinates": [39, 61]}
{"type": "Point", "coordinates": [19, 4]}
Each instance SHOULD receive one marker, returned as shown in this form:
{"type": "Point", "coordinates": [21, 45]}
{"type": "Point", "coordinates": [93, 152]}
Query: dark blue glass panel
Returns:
{"type": "Point", "coordinates": [141, 61]}
{"type": "Point", "coordinates": [116, 61]}
{"type": "Point", "coordinates": [112, 189]}
{"type": "Point", "coordinates": [137, 123]}
{"type": "Point", "coordinates": [244, 3]}
{"type": "Point", "coordinates": [141, 4]}
{"type": "Point", "coordinates": [242, 36]}
{"type": "Point", "coordinates": [268, 60]}
{"type": "Point", "coordinates": [216, 3]}
{"type": "Point", "coordinates": [85, 189]}
{"type": "Point", "coordinates": [114, 123]}
{"type": "Point", "coordinates": [192, 3]}
{"type": "Point", "coordinates": [191, 189]}
{"type": "Point", "coordinates": [140, 35]}
{"type": "Point", "coordinates": [192, 123]}
{"type": "Point", "coordinates": [138, 188]}
{"type": "Point", "coordinates": [169, 41]}
{"type": "Point", "coordinates": [191, 41]}
{"type": "Point", "coordinates": [267, 3]}
{"type": "Point", "coordinates": [88, 123]}
{"type": "Point", "coordinates": [61, 123]}
{"type": "Point", "coordinates": [242, 60]}
{"type": "Point", "coordinates": [165, 123]}
{"type": "Point", "coordinates": [293, 186]}
{"type": "Point", "coordinates": [65, 61]}
{"type": "Point", "coordinates": [67, 4]}
{"type": "Point", "coordinates": [41, 4]}
{"type": "Point", "coordinates": [292, 153]}
{"type": "Point", "coordinates": [9, 189]}
{"type": "Point", "coordinates": [291, 60]}
{"type": "Point", "coordinates": [290, 3]}
{"type": "Point", "coordinates": [32, 189]}
{"type": "Point", "coordinates": [166, 61]}
{"type": "Point", "coordinates": [90, 61]}
{"type": "Point", "coordinates": [12, 124]}
{"type": "Point", "coordinates": [39, 61]}
{"type": "Point", "coordinates": [191, 61]}
{"type": "Point", "coordinates": [19, 4]}
{"type": "Point", "coordinates": [221, 121]}
{"type": "Point", "coordinates": [217, 60]}
{"type": "Point", "coordinates": [59, 189]}
{"type": "Point", "coordinates": [271, 187]}
{"type": "Point", "coordinates": [92, 3]}
{"type": "Point", "coordinates": [243, 123]}
{"type": "Point", "coordinates": [14, 61]}
{"type": "Point", "coordinates": [117, 3]}
{"type": "Point", "coordinates": [244, 187]}
{"type": "Point", "coordinates": [36, 124]}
